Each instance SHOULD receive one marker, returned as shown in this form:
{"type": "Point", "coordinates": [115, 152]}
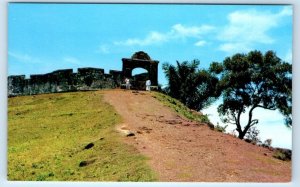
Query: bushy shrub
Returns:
{"type": "Point", "coordinates": [220, 128]}
{"type": "Point", "coordinates": [283, 154]}
{"type": "Point", "coordinates": [233, 133]}
{"type": "Point", "coordinates": [267, 143]}
{"type": "Point", "coordinates": [252, 136]}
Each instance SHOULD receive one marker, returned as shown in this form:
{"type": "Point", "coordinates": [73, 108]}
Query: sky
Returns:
{"type": "Point", "coordinates": [46, 37]}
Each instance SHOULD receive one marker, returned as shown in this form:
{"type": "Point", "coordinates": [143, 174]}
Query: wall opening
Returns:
{"type": "Point", "coordinates": [139, 76]}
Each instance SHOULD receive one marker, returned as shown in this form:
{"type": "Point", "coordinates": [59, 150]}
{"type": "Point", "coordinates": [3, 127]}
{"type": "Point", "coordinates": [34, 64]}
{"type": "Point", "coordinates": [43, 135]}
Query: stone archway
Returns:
{"type": "Point", "coordinates": [141, 60]}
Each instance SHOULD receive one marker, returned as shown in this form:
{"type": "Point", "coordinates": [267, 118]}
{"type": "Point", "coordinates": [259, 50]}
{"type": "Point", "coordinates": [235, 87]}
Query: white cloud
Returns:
{"type": "Point", "coordinates": [25, 58]}
{"type": "Point", "coordinates": [151, 38]}
{"type": "Point", "coordinates": [103, 49]}
{"type": "Point", "coordinates": [234, 47]}
{"type": "Point", "coordinates": [247, 28]}
{"type": "Point", "coordinates": [200, 43]}
{"type": "Point", "coordinates": [156, 37]}
{"type": "Point", "coordinates": [71, 60]}
{"type": "Point", "coordinates": [177, 31]}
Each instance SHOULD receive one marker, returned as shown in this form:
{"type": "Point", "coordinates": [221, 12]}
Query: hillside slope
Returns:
{"type": "Point", "coordinates": [183, 150]}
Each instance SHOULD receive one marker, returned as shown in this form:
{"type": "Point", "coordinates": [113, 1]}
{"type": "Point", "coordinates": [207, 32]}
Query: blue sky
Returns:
{"type": "Point", "coordinates": [46, 37]}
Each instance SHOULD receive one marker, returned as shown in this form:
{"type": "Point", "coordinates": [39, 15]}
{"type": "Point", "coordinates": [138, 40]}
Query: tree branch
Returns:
{"type": "Point", "coordinates": [261, 106]}
{"type": "Point", "coordinates": [250, 121]}
{"type": "Point", "coordinates": [254, 122]}
{"type": "Point", "coordinates": [250, 112]}
{"type": "Point", "coordinates": [238, 124]}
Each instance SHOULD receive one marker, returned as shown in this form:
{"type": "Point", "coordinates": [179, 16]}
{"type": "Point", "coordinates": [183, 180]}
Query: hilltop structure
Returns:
{"type": "Point", "coordinates": [85, 78]}
{"type": "Point", "coordinates": [141, 60]}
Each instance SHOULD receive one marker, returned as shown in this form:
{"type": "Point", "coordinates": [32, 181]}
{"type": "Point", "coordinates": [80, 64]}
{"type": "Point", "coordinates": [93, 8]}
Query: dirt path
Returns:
{"type": "Point", "coordinates": [180, 150]}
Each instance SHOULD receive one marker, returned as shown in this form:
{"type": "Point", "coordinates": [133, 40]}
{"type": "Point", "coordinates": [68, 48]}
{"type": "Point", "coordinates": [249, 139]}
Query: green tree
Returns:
{"type": "Point", "coordinates": [193, 87]}
{"type": "Point", "coordinates": [250, 81]}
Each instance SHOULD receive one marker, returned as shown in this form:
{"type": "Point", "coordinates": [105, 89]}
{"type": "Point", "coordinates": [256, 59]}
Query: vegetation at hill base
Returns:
{"type": "Point", "coordinates": [69, 137]}
{"type": "Point", "coordinates": [244, 81]}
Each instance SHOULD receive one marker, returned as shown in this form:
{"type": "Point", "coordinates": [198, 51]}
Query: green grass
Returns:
{"type": "Point", "coordinates": [180, 108]}
{"type": "Point", "coordinates": [47, 135]}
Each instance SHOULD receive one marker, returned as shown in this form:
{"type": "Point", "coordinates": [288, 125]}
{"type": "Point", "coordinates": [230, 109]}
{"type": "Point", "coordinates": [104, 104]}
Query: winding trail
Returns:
{"type": "Point", "coordinates": [181, 150]}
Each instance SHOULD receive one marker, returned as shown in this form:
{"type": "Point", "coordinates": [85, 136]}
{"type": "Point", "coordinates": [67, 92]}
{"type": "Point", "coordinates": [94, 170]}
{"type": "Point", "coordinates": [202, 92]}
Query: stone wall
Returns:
{"type": "Point", "coordinates": [63, 81]}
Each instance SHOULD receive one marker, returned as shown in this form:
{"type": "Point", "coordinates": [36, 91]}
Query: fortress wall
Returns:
{"type": "Point", "coordinates": [16, 84]}
{"type": "Point", "coordinates": [63, 81]}
{"type": "Point", "coordinates": [117, 76]}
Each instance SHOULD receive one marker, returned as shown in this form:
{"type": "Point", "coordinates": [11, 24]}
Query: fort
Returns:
{"type": "Point", "coordinates": [86, 78]}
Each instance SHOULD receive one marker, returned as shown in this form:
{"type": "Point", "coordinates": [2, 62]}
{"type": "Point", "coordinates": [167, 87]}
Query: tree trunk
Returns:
{"type": "Point", "coordinates": [241, 132]}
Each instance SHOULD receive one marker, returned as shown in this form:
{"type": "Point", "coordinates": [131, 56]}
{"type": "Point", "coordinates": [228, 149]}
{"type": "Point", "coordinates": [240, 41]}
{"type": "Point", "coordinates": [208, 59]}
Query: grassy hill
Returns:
{"type": "Point", "coordinates": [69, 137]}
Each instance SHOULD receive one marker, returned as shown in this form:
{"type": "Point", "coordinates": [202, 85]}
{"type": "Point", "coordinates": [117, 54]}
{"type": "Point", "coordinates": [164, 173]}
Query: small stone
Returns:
{"type": "Point", "coordinates": [85, 163]}
{"type": "Point", "coordinates": [82, 163]}
{"type": "Point", "coordinates": [126, 132]}
{"type": "Point", "coordinates": [129, 133]}
{"type": "Point", "coordinates": [88, 146]}
{"type": "Point", "coordinates": [51, 174]}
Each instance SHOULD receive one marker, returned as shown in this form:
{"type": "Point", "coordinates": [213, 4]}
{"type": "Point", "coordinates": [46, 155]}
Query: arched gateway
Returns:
{"type": "Point", "coordinates": [141, 60]}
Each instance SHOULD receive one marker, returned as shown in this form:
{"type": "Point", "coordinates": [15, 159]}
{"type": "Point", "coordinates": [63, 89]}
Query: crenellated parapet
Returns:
{"type": "Point", "coordinates": [64, 81]}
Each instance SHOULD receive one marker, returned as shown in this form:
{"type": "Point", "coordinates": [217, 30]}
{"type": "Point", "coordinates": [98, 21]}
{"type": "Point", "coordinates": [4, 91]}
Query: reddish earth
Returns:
{"type": "Point", "coordinates": [181, 150]}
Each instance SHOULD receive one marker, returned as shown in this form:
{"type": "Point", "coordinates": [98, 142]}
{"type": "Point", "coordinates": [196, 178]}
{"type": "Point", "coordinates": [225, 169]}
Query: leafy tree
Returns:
{"type": "Point", "coordinates": [193, 87]}
{"type": "Point", "coordinates": [250, 81]}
